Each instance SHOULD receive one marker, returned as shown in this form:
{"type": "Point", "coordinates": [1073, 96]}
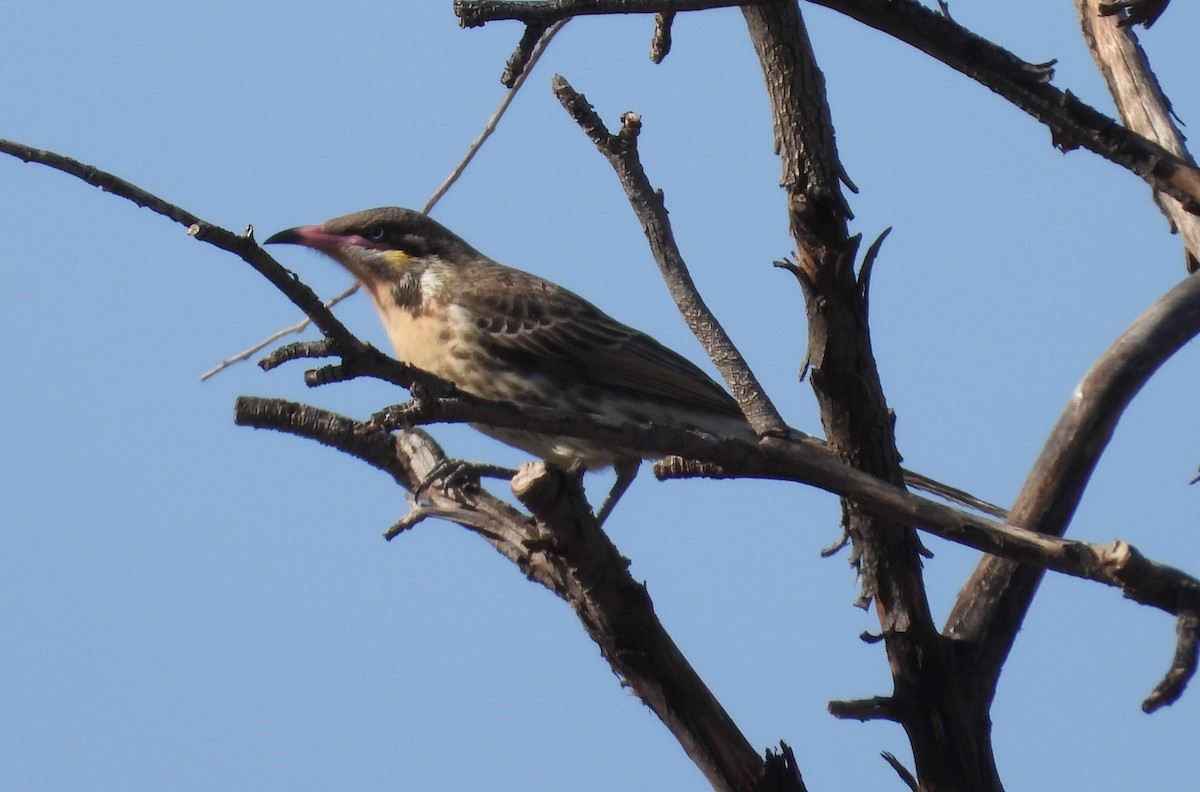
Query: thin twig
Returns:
{"type": "Point", "coordinates": [564, 550]}
{"type": "Point", "coordinates": [241, 245]}
{"type": "Point", "coordinates": [299, 327]}
{"type": "Point", "coordinates": [907, 777]}
{"type": "Point", "coordinates": [868, 267]}
{"type": "Point", "coordinates": [443, 188]}
{"type": "Point", "coordinates": [1183, 664]}
{"type": "Point", "coordinates": [492, 122]}
{"type": "Point", "coordinates": [877, 708]}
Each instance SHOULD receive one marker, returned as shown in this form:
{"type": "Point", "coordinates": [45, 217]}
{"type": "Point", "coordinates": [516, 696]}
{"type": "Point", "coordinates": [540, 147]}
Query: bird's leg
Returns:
{"type": "Point", "coordinates": [626, 472]}
{"type": "Point", "coordinates": [461, 475]}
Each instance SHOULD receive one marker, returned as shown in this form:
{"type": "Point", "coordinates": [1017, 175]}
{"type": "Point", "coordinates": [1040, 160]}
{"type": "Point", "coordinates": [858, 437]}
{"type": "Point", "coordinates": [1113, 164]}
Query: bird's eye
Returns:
{"type": "Point", "coordinates": [376, 233]}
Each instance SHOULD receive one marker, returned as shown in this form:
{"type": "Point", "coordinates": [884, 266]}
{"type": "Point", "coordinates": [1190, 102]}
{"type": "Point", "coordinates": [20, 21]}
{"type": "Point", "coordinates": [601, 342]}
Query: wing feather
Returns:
{"type": "Point", "coordinates": [535, 323]}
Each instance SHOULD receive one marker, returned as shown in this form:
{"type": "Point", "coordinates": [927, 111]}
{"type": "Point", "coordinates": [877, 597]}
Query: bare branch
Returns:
{"type": "Point", "coordinates": [476, 13]}
{"type": "Point", "coordinates": [443, 188]}
{"type": "Point", "coordinates": [1157, 585]}
{"type": "Point", "coordinates": [781, 771]}
{"type": "Point", "coordinates": [523, 55]}
{"type": "Point", "coordinates": [1183, 665]}
{"type": "Point", "coordinates": [621, 151]}
{"type": "Point", "coordinates": [1071, 122]}
{"type": "Point", "coordinates": [299, 327]}
{"type": "Point", "coordinates": [299, 350]}
{"type": "Point", "coordinates": [565, 551]}
{"type": "Point", "coordinates": [676, 467]}
{"type": "Point", "coordinates": [488, 128]}
{"type": "Point", "coordinates": [854, 412]}
{"type": "Point", "coordinates": [992, 606]}
{"type": "Point", "coordinates": [241, 245]}
{"type": "Point", "coordinates": [868, 267]}
{"type": "Point", "coordinates": [1142, 105]}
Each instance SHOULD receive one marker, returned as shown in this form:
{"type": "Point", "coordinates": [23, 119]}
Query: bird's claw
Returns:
{"type": "Point", "coordinates": [459, 477]}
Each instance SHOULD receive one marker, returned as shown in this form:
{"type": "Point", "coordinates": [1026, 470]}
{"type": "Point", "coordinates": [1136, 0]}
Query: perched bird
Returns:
{"type": "Point", "coordinates": [503, 334]}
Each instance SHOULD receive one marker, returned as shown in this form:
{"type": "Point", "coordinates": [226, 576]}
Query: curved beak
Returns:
{"type": "Point", "coordinates": [309, 236]}
{"type": "Point", "coordinates": [292, 236]}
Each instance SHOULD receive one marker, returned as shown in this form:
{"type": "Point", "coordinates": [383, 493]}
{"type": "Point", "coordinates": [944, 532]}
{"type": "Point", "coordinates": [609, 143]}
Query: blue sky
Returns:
{"type": "Point", "coordinates": [190, 605]}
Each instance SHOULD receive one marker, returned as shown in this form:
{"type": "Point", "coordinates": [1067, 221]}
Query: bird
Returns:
{"type": "Point", "coordinates": [504, 334]}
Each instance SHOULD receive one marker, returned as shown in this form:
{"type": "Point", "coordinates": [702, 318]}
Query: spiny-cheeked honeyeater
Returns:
{"type": "Point", "coordinates": [503, 334]}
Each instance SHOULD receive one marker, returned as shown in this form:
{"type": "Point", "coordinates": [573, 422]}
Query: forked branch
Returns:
{"type": "Point", "coordinates": [564, 550]}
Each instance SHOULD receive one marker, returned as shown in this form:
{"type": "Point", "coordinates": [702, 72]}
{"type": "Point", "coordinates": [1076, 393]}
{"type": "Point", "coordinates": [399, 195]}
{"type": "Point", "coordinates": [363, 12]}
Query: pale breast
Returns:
{"type": "Point", "coordinates": [435, 337]}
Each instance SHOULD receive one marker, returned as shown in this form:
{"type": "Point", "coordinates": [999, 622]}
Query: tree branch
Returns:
{"type": "Point", "coordinates": [241, 245]}
{"type": "Point", "coordinates": [1071, 122]}
{"type": "Point", "coordinates": [488, 128]}
{"type": "Point", "coordinates": [930, 698]}
{"type": "Point", "coordinates": [617, 613]}
{"type": "Point", "coordinates": [1116, 565]}
{"type": "Point", "coordinates": [477, 13]}
{"type": "Point", "coordinates": [993, 604]}
{"type": "Point", "coordinates": [565, 551]}
{"type": "Point", "coordinates": [844, 376]}
{"type": "Point", "coordinates": [876, 708]}
{"type": "Point", "coordinates": [1142, 105]}
{"type": "Point", "coordinates": [1183, 664]}
{"type": "Point", "coordinates": [573, 573]}
{"type": "Point", "coordinates": [621, 151]}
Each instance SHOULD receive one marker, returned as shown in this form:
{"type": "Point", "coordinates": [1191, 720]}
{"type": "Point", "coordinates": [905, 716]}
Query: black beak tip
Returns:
{"type": "Point", "coordinates": [286, 237]}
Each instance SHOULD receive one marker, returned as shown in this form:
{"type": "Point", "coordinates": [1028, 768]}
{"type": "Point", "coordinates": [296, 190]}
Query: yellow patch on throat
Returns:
{"type": "Point", "coordinates": [398, 259]}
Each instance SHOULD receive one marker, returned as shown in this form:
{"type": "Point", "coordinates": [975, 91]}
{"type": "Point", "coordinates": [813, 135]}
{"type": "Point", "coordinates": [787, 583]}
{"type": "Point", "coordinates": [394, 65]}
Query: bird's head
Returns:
{"type": "Point", "coordinates": [379, 246]}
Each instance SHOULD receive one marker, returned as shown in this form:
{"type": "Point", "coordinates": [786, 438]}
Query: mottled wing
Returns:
{"type": "Point", "coordinates": [534, 323]}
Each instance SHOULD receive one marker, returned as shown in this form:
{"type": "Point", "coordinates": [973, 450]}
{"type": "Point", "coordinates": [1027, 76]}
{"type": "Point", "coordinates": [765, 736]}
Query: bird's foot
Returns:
{"type": "Point", "coordinates": [461, 476]}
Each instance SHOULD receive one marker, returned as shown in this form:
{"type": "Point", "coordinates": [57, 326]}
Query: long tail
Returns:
{"type": "Point", "coordinates": [952, 494]}
{"type": "Point", "coordinates": [925, 484]}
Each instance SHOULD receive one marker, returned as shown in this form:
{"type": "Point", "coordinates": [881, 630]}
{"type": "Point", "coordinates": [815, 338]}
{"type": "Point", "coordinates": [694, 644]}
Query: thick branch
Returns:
{"type": "Point", "coordinates": [929, 699]}
{"type": "Point", "coordinates": [808, 463]}
{"type": "Point", "coordinates": [565, 551]}
{"type": "Point", "coordinates": [992, 605]}
{"type": "Point", "coordinates": [1142, 104]}
{"type": "Point", "coordinates": [647, 202]}
{"type": "Point", "coordinates": [619, 616]}
{"type": "Point", "coordinates": [1072, 123]}
{"type": "Point", "coordinates": [844, 375]}
{"type": "Point", "coordinates": [1117, 565]}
